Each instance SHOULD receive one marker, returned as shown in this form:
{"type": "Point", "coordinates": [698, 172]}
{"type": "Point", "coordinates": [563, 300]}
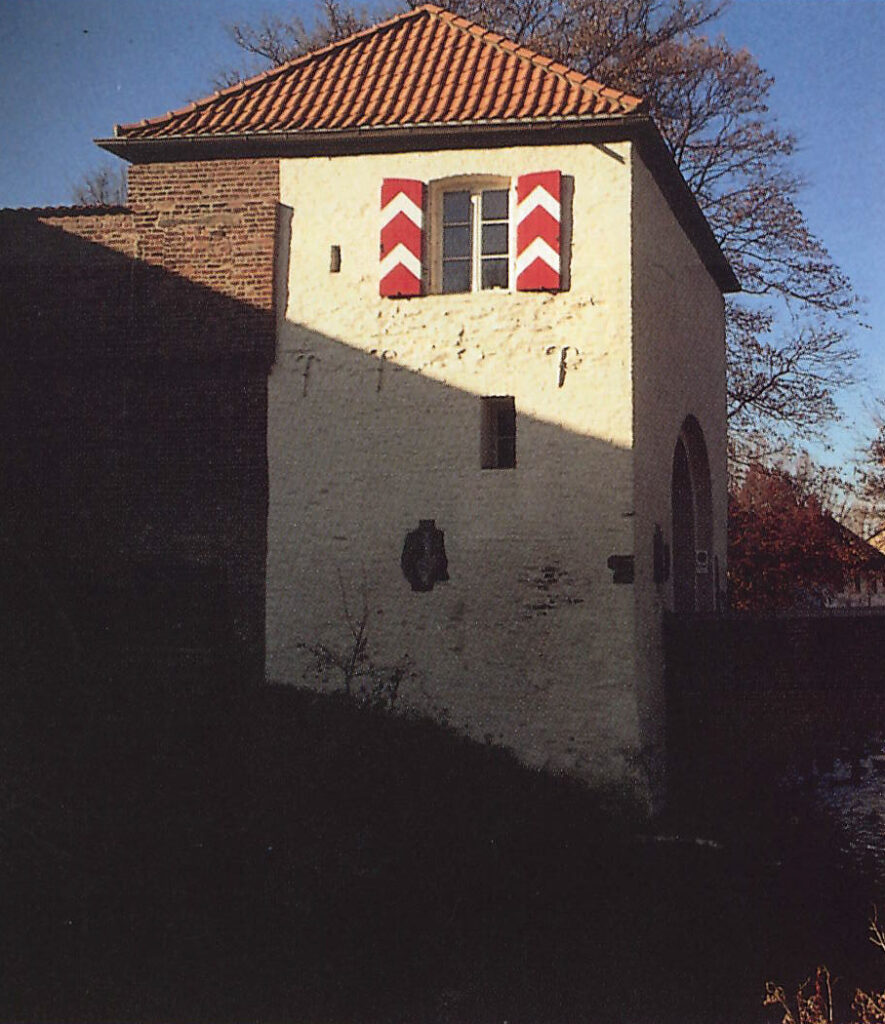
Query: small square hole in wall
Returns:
{"type": "Point", "coordinates": [498, 433]}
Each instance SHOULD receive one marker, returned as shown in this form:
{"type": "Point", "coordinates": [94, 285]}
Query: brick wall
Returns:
{"type": "Point", "coordinates": [211, 221]}
{"type": "Point", "coordinates": [157, 273]}
{"type": "Point", "coordinates": [57, 269]}
{"type": "Point", "coordinates": [139, 341]}
{"type": "Point", "coordinates": [111, 227]}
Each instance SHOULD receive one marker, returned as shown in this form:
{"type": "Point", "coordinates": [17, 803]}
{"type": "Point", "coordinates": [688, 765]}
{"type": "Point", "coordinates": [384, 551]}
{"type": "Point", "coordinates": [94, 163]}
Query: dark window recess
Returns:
{"type": "Point", "coordinates": [423, 560]}
{"type": "Point", "coordinates": [622, 568]}
{"type": "Point", "coordinates": [498, 433]}
{"type": "Point", "coordinates": [335, 260]}
{"type": "Point", "coordinates": [661, 556]}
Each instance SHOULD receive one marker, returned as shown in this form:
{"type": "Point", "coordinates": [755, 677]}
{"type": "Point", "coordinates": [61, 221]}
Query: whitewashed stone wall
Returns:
{"type": "Point", "coordinates": [678, 371]}
{"type": "Point", "coordinates": [374, 422]}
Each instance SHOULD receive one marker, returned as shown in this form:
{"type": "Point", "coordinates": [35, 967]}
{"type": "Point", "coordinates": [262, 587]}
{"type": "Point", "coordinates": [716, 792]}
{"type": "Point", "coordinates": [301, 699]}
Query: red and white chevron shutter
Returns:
{"type": "Point", "coordinates": [538, 230]}
{"type": "Point", "coordinates": [402, 237]}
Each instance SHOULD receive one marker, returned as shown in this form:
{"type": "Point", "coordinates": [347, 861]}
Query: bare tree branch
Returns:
{"type": "Point", "coordinates": [104, 185]}
{"type": "Point", "coordinates": [788, 361]}
{"type": "Point", "coordinates": [273, 40]}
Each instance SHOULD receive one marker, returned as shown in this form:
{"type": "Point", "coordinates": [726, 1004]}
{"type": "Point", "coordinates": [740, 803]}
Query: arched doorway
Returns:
{"type": "Point", "coordinates": [692, 527]}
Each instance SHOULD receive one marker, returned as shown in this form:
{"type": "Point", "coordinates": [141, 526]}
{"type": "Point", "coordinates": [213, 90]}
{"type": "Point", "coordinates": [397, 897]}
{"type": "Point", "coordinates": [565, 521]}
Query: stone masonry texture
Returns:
{"type": "Point", "coordinates": [137, 344]}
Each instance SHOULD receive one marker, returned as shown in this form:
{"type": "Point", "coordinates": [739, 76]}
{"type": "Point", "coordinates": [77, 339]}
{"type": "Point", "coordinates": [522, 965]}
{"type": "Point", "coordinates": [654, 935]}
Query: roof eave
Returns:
{"type": "Point", "coordinates": [369, 138]}
{"type": "Point", "coordinates": [637, 128]}
{"type": "Point", "coordinates": [682, 201]}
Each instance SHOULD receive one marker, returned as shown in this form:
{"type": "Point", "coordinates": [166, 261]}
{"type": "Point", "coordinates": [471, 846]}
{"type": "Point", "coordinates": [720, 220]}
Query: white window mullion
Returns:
{"type": "Point", "coordinates": [476, 272]}
{"type": "Point", "coordinates": [511, 238]}
{"type": "Point", "coordinates": [480, 255]}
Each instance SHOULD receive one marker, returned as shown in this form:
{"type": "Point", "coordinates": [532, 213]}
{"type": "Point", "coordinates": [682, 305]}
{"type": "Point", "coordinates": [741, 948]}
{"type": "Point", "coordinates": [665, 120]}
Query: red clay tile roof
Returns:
{"type": "Point", "coordinates": [426, 67]}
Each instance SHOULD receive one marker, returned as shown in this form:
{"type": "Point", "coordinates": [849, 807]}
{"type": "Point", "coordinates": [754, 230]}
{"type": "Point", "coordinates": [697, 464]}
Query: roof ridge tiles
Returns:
{"type": "Point", "coordinates": [72, 210]}
{"type": "Point", "coordinates": [257, 105]}
{"type": "Point", "coordinates": [527, 53]}
{"type": "Point", "coordinates": [279, 69]}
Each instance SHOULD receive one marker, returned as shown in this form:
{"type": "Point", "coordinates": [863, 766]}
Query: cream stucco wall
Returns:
{"type": "Point", "coordinates": [374, 414]}
{"type": "Point", "coordinates": [678, 371]}
{"type": "Point", "coordinates": [374, 423]}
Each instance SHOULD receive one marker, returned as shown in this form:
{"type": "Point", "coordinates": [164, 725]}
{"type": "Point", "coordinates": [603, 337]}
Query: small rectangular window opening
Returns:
{"type": "Point", "coordinates": [498, 433]}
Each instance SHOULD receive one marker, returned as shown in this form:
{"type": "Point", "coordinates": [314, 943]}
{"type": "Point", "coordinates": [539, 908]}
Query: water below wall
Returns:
{"type": "Point", "coordinates": [855, 794]}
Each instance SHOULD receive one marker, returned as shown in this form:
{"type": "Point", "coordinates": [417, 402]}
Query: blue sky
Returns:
{"type": "Point", "coordinates": [828, 62]}
{"type": "Point", "coordinates": [71, 69]}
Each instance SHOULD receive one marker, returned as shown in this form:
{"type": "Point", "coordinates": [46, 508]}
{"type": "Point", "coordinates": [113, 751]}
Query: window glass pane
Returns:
{"type": "Point", "coordinates": [494, 239]}
{"type": "Point", "coordinates": [456, 241]}
{"type": "Point", "coordinates": [456, 208]}
{"type": "Point", "coordinates": [494, 205]}
{"type": "Point", "coordinates": [494, 273]}
{"type": "Point", "coordinates": [456, 276]}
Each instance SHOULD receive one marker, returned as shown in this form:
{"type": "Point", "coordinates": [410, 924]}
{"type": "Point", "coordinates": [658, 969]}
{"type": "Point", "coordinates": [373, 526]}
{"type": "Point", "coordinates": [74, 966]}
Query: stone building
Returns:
{"type": "Point", "coordinates": [489, 313]}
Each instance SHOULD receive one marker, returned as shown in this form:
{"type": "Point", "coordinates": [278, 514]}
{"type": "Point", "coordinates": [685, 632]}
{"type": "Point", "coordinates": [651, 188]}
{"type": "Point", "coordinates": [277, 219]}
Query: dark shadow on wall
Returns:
{"type": "Point", "coordinates": [134, 418]}
{"type": "Point", "coordinates": [275, 854]}
{"type": "Point", "coordinates": [363, 449]}
{"type": "Point", "coordinates": [133, 415]}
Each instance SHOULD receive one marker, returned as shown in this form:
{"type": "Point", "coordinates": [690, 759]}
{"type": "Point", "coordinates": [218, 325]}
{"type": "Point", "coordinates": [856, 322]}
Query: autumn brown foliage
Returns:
{"type": "Point", "coordinates": [785, 550]}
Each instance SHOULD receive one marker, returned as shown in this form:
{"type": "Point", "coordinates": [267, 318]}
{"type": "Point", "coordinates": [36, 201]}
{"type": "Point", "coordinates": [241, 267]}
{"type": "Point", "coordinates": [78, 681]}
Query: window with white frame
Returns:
{"type": "Point", "coordinates": [471, 233]}
{"type": "Point", "coordinates": [475, 227]}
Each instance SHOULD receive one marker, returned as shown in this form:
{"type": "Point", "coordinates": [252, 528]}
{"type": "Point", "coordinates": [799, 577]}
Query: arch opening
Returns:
{"type": "Point", "coordinates": [692, 522]}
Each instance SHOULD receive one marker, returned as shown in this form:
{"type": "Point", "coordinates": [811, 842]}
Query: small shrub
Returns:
{"type": "Point", "coordinates": [352, 667]}
{"type": "Point", "coordinates": [813, 1003]}
{"type": "Point", "coordinates": [814, 999]}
